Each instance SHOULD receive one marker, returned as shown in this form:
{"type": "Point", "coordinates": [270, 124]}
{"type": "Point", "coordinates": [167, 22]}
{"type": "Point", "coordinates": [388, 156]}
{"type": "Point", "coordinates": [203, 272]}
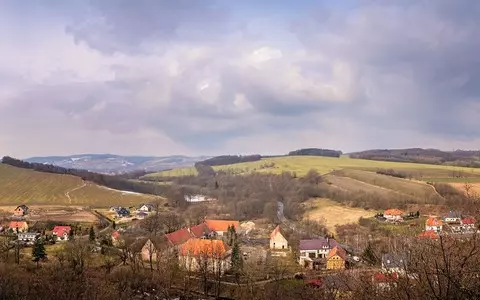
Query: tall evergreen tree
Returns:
{"type": "Point", "coordinates": [70, 235]}
{"type": "Point", "coordinates": [91, 235]}
{"type": "Point", "coordinates": [38, 251]}
{"type": "Point", "coordinates": [237, 261]}
{"type": "Point", "coordinates": [114, 225]}
{"type": "Point", "coordinates": [369, 256]}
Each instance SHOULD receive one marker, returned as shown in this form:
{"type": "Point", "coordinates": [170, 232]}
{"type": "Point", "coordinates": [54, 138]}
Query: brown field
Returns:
{"type": "Point", "coordinates": [405, 186]}
{"type": "Point", "coordinates": [475, 187]}
{"type": "Point", "coordinates": [333, 213]}
{"type": "Point", "coordinates": [22, 186]}
{"type": "Point", "coordinates": [353, 185]}
{"type": "Point", "coordinates": [55, 213]}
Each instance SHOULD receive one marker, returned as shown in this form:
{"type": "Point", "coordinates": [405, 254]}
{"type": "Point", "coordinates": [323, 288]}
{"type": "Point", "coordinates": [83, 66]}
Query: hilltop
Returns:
{"type": "Point", "coordinates": [300, 165]}
{"type": "Point", "coordinates": [18, 185]}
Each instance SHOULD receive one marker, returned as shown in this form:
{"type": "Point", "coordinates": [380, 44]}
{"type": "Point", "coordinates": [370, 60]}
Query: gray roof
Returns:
{"type": "Point", "coordinates": [394, 260]}
{"type": "Point", "coordinates": [317, 244]}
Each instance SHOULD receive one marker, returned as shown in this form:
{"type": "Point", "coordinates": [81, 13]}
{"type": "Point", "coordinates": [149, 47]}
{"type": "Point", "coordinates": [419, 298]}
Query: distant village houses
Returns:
{"type": "Point", "coordinates": [205, 255]}
{"type": "Point", "coordinates": [20, 211]}
{"type": "Point", "coordinates": [433, 224]}
{"type": "Point", "coordinates": [18, 226]}
{"type": "Point", "coordinates": [336, 259]}
{"type": "Point", "coordinates": [314, 251]}
{"type": "Point", "coordinates": [61, 232]}
{"type": "Point", "coordinates": [393, 215]}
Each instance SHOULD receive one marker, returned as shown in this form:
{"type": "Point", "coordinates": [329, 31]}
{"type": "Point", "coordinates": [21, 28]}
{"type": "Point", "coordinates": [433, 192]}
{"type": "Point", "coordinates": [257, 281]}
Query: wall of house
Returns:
{"type": "Point", "coordinates": [278, 242]}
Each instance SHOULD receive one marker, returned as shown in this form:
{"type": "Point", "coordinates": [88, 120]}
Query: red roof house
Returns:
{"type": "Point", "coordinates": [199, 230]}
{"type": "Point", "coordinates": [179, 237]}
{"type": "Point", "coordinates": [61, 232]}
{"type": "Point", "coordinates": [429, 234]}
{"type": "Point", "coordinates": [221, 226]}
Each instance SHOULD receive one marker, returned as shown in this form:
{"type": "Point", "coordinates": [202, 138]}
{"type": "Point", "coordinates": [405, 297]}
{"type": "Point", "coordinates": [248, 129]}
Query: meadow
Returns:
{"type": "Point", "coordinates": [300, 165]}
{"type": "Point", "coordinates": [332, 213]}
{"type": "Point", "coordinates": [24, 186]}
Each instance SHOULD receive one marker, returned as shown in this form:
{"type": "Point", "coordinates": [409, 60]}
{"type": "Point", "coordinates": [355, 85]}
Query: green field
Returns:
{"type": "Point", "coordinates": [22, 186]}
{"type": "Point", "coordinates": [302, 164]}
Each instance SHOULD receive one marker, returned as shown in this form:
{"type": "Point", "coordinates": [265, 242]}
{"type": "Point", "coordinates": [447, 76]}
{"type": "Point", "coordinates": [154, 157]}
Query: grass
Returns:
{"type": "Point", "coordinates": [23, 186]}
{"type": "Point", "coordinates": [302, 164]}
{"type": "Point", "coordinates": [408, 187]}
{"type": "Point", "coordinates": [333, 213]}
{"type": "Point", "coordinates": [353, 185]}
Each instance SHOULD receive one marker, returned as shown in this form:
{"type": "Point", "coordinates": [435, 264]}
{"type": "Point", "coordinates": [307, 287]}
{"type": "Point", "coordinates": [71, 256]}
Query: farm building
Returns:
{"type": "Point", "coordinates": [393, 215]}
{"type": "Point", "coordinates": [61, 232]}
{"type": "Point", "coordinates": [433, 224]}
{"type": "Point", "coordinates": [18, 226]}
{"type": "Point", "coordinates": [20, 211]}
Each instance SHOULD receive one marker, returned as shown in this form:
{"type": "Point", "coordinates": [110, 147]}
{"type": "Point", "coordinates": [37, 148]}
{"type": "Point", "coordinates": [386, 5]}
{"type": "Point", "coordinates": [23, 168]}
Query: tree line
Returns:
{"type": "Point", "coordinates": [316, 152]}
{"type": "Point", "coordinates": [230, 159]}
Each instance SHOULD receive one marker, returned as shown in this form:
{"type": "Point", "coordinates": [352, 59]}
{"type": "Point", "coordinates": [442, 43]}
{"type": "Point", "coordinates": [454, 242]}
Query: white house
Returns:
{"type": "Point", "coordinates": [213, 256]}
{"type": "Point", "coordinates": [393, 215]}
{"type": "Point", "coordinates": [453, 218]}
{"type": "Point", "coordinates": [28, 236]}
{"type": "Point", "coordinates": [433, 224]}
{"type": "Point", "coordinates": [147, 207]}
{"type": "Point", "coordinates": [277, 239]}
{"type": "Point", "coordinates": [394, 263]}
{"type": "Point", "coordinates": [312, 252]}
{"type": "Point", "coordinates": [195, 198]}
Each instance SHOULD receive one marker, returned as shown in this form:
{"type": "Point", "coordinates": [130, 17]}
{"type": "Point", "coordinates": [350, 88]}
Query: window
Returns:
{"type": "Point", "coordinates": [311, 255]}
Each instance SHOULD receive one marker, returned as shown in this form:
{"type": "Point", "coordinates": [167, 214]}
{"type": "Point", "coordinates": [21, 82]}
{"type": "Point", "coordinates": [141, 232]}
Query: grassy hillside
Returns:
{"type": "Point", "coordinates": [302, 164]}
{"type": "Point", "coordinates": [19, 185]}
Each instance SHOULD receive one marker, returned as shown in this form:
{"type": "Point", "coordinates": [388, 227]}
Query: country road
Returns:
{"type": "Point", "coordinates": [67, 194]}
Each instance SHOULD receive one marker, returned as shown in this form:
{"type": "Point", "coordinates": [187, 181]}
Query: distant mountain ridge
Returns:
{"type": "Point", "coordinates": [118, 164]}
{"type": "Point", "coordinates": [463, 158]}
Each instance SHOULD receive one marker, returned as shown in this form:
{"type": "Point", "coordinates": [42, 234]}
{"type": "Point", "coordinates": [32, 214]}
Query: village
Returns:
{"type": "Point", "coordinates": [220, 246]}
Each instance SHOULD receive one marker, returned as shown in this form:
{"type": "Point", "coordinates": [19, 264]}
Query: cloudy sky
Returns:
{"type": "Point", "coordinates": [160, 77]}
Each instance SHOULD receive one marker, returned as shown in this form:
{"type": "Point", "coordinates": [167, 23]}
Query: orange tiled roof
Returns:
{"type": "Point", "coordinates": [275, 231]}
{"type": "Point", "coordinates": [221, 225]}
{"type": "Point", "coordinates": [429, 234]}
{"type": "Point", "coordinates": [432, 221]}
{"type": "Point", "coordinates": [15, 224]}
{"type": "Point", "coordinates": [210, 248]}
{"type": "Point", "coordinates": [337, 251]}
{"type": "Point", "coordinates": [394, 212]}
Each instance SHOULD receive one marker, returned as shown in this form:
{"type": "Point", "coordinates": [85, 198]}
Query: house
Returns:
{"type": "Point", "coordinates": [28, 236]}
{"type": "Point", "coordinates": [221, 226]}
{"type": "Point", "coordinates": [61, 232]}
{"type": "Point", "coordinates": [123, 212]}
{"type": "Point", "coordinates": [430, 234]}
{"type": "Point", "coordinates": [277, 239]}
{"type": "Point", "coordinates": [453, 218]}
{"type": "Point", "coordinates": [141, 215]}
{"type": "Point", "coordinates": [394, 263]}
{"type": "Point", "coordinates": [20, 211]}
{"type": "Point", "coordinates": [179, 237]}
{"type": "Point", "coordinates": [212, 256]}
{"type": "Point", "coordinates": [147, 207]}
{"type": "Point", "coordinates": [113, 209]}
{"type": "Point", "coordinates": [18, 226]}
{"type": "Point", "coordinates": [197, 198]}
{"type": "Point", "coordinates": [433, 224]}
{"type": "Point", "coordinates": [314, 251]}
{"type": "Point", "coordinates": [384, 281]}
{"type": "Point", "coordinates": [115, 238]}
{"type": "Point", "coordinates": [153, 247]}
{"type": "Point", "coordinates": [393, 215]}
{"type": "Point", "coordinates": [336, 259]}
{"type": "Point", "coordinates": [468, 224]}
{"type": "Point", "coordinates": [200, 231]}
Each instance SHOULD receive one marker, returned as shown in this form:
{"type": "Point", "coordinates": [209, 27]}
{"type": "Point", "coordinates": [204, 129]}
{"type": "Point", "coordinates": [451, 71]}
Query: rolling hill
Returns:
{"type": "Point", "coordinates": [302, 164]}
{"type": "Point", "coordinates": [25, 186]}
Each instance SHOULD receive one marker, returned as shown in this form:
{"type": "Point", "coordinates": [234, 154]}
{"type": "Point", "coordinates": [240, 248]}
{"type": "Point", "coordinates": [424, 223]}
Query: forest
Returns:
{"type": "Point", "coordinates": [316, 152]}
{"type": "Point", "coordinates": [230, 159]}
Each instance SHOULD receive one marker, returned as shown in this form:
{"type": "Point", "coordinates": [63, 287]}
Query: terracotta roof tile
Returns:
{"type": "Point", "coordinates": [337, 251]}
{"type": "Point", "coordinates": [429, 234]}
{"type": "Point", "coordinates": [432, 221]}
{"type": "Point", "coordinates": [61, 230]}
{"type": "Point", "coordinates": [199, 230]}
{"type": "Point", "coordinates": [221, 225]}
{"type": "Point", "coordinates": [179, 237]}
{"type": "Point", "coordinates": [18, 224]}
{"type": "Point", "coordinates": [210, 248]}
{"type": "Point", "coordinates": [394, 212]}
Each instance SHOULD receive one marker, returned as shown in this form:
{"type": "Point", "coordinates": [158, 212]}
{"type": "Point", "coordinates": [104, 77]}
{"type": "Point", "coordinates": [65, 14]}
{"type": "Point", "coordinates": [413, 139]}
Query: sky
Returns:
{"type": "Point", "coordinates": [211, 77]}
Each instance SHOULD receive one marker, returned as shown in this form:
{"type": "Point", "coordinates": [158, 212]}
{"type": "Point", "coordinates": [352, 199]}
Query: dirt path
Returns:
{"type": "Point", "coordinates": [67, 194]}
